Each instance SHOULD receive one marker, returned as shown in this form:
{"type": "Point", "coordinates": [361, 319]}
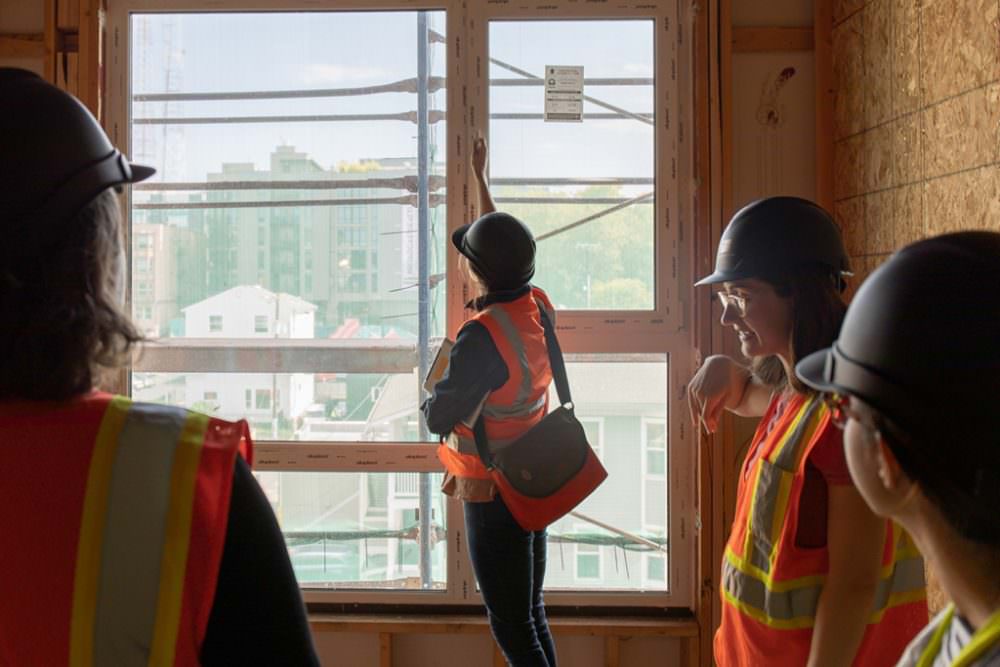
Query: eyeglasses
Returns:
{"type": "Point", "coordinates": [735, 300]}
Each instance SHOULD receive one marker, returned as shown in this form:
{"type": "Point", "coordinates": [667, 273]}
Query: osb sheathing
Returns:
{"type": "Point", "coordinates": [917, 121]}
{"type": "Point", "coordinates": [917, 127]}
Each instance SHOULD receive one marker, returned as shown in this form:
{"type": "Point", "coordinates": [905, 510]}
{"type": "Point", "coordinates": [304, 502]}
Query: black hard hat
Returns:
{"type": "Point", "coordinates": [56, 158]}
{"type": "Point", "coordinates": [921, 339]}
{"type": "Point", "coordinates": [500, 247]}
{"type": "Point", "coordinates": [778, 234]}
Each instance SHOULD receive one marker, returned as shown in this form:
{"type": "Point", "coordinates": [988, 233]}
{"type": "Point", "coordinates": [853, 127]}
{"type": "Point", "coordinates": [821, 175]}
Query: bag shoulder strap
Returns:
{"type": "Point", "coordinates": [558, 366]}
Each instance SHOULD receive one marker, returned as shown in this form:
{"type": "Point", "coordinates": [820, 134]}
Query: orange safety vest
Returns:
{"type": "Point", "coordinates": [522, 402]}
{"type": "Point", "coordinates": [771, 587]}
{"type": "Point", "coordinates": [114, 516]}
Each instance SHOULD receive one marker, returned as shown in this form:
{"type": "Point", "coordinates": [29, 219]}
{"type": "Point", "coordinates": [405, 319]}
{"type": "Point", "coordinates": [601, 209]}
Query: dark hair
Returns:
{"type": "Point", "coordinates": [964, 485]}
{"type": "Point", "coordinates": [818, 310]}
{"type": "Point", "coordinates": [62, 321]}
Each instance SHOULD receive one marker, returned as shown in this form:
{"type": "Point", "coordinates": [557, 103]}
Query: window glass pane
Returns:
{"type": "Point", "coordinates": [591, 255]}
{"type": "Point", "coordinates": [622, 392]}
{"type": "Point", "coordinates": [357, 530]}
{"type": "Point", "coordinates": [324, 406]}
{"type": "Point", "coordinates": [287, 174]}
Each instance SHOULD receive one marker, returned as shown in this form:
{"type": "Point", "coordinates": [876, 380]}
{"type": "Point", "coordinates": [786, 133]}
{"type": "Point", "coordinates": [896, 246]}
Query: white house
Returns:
{"type": "Point", "coordinates": [269, 400]}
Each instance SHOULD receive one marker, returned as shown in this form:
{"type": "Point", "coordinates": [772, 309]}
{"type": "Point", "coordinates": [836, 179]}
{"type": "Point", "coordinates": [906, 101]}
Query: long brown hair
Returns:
{"type": "Point", "coordinates": [818, 310]}
{"type": "Point", "coordinates": [59, 304]}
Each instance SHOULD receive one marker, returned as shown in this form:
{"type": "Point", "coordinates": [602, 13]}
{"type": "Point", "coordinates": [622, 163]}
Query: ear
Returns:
{"type": "Point", "coordinates": [892, 476]}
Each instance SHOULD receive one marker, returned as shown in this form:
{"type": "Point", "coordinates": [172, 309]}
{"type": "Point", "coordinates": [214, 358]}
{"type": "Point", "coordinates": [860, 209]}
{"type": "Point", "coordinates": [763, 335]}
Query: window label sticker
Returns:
{"type": "Point", "coordinates": [563, 94]}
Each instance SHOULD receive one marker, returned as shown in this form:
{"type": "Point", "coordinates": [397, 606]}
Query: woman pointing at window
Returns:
{"type": "Point", "coordinates": [499, 369]}
{"type": "Point", "coordinates": [810, 575]}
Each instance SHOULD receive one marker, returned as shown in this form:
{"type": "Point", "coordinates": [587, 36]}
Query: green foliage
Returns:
{"type": "Point", "coordinates": [612, 255]}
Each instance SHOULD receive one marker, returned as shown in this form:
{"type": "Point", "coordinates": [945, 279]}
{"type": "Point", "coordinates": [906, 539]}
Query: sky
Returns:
{"type": "Point", "coordinates": [280, 51]}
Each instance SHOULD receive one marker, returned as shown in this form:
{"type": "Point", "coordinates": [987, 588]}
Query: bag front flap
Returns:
{"type": "Point", "coordinates": [542, 460]}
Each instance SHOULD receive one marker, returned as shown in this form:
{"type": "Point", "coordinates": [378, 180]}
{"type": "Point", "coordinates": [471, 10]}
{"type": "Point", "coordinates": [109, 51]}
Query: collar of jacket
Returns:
{"type": "Point", "coordinates": [500, 296]}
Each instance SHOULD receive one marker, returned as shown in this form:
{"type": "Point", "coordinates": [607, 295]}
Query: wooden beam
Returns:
{"type": "Point", "coordinates": [612, 652]}
{"type": "Point", "coordinates": [91, 26]}
{"type": "Point", "coordinates": [49, 37]}
{"type": "Point", "coordinates": [384, 649]}
{"type": "Point", "coordinates": [825, 93]}
{"type": "Point", "coordinates": [498, 659]}
{"type": "Point", "coordinates": [772, 39]}
{"type": "Point", "coordinates": [589, 626]}
{"type": "Point", "coordinates": [22, 46]}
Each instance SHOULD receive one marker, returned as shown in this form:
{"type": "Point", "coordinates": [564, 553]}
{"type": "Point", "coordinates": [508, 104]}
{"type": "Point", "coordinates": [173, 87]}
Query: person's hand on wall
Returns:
{"type": "Point", "coordinates": [720, 384]}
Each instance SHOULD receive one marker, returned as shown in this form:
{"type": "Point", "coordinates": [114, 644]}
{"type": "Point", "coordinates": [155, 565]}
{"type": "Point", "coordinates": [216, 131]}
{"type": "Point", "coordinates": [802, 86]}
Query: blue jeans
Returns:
{"type": "Point", "coordinates": [509, 563]}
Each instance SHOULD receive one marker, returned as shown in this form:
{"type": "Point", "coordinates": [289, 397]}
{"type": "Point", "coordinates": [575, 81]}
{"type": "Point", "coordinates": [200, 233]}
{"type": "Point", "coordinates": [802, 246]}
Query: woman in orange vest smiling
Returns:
{"type": "Point", "coordinates": [134, 533]}
{"type": "Point", "coordinates": [499, 369]}
{"type": "Point", "coordinates": [914, 378]}
{"type": "Point", "coordinates": [810, 575]}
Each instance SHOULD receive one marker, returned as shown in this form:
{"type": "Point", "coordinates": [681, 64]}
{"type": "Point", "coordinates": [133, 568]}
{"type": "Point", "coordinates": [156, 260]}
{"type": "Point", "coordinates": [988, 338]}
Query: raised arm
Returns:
{"type": "Point", "coordinates": [479, 160]}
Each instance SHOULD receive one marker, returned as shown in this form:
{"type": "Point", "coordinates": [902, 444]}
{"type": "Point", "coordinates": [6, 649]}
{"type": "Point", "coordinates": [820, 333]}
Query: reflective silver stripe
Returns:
{"type": "Point", "coordinates": [802, 602]}
{"type": "Point", "coordinates": [765, 502]}
{"type": "Point", "coordinates": [465, 445]}
{"type": "Point", "coordinates": [132, 547]}
{"type": "Point", "coordinates": [508, 411]}
{"type": "Point", "coordinates": [789, 455]}
{"type": "Point", "coordinates": [778, 605]}
{"type": "Point", "coordinates": [514, 338]}
{"type": "Point", "coordinates": [907, 577]}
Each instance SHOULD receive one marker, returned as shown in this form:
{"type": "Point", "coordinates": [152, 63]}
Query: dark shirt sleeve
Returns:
{"type": "Point", "coordinates": [475, 368]}
{"type": "Point", "coordinates": [257, 616]}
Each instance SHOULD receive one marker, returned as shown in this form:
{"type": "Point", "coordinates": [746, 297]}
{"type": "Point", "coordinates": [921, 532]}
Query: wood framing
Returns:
{"type": "Point", "coordinates": [90, 55]}
{"type": "Point", "coordinates": [825, 92]}
{"type": "Point", "coordinates": [23, 46]}
{"type": "Point", "coordinates": [50, 37]}
{"type": "Point", "coordinates": [772, 39]}
{"type": "Point", "coordinates": [613, 631]}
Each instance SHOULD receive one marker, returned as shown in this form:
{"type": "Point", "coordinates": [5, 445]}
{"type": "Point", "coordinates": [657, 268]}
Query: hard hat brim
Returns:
{"type": "Point", "coordinates": [140, 172]}
{"type": "Point", "coordinates": [813, 371]}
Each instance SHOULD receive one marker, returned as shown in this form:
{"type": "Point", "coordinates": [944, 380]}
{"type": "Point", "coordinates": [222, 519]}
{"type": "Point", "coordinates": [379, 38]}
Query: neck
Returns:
{"type": "Point", "coordinates": [968, 572]}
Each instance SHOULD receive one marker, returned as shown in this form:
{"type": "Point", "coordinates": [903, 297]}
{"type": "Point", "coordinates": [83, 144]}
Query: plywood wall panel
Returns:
{"type": "Point", "coordinates": [877, 158]}
{"type": "Point", "coordinates": [849, 77]}
{"type": "Point", "coordinates": [848, 180]}
{"type": "Point", "coordinates": [966, 200]}
{"type": "Point", "coordinates": [878, 82]}
{"type": "Point", "coordinates": [845, 8]}
{"type": "Point", "coordinates": [879, 212]}
{"type": "Point", "coordinates": [962, 132]}
{"type": "Point", "coordinates": [906, 149]}
{"type": "Point", "coordinates": [904, 18]}
{"type": "Point", "coordinates": [908, 225]}
{"type": "Point", "coordinates": [850, 216]}
{"type": "Point", "coordinates": [962, 37]}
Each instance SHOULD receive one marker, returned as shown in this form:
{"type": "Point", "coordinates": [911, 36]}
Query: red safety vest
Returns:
{"type": "Point", "coordinates": [771, 587]}
{"type": "Point", "coordinates": [522, 402]}
{"type": "Point", "coordinates": [114, 516]}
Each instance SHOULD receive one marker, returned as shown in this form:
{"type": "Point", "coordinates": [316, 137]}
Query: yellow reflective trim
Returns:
{"type": "Point", "coordinates": [780, 586]}
{"type": "Point", "coordinates": [88, 550]}
{"type": "Point", "coordinates": [934, 646]}
{"type": "Point", "coordinates": [173, 566]}
{"type": "Point", "coordinates": [789, 431]}
{"type": "Point", "coordinates": [780, 507]}
{"type": "Point", "coordinates": [761, 617]}
{"type": "Point", "coordinates": [754, 498]}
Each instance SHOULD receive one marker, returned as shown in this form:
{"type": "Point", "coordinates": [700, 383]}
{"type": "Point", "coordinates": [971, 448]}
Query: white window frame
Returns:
{"type": "Point", "coordinates": [664, 330]}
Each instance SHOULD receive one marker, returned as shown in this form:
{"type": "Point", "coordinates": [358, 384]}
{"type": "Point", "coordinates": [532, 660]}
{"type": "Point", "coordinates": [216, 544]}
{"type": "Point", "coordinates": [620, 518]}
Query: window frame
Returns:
{"type": "Point", "coordinates": [663, 330]}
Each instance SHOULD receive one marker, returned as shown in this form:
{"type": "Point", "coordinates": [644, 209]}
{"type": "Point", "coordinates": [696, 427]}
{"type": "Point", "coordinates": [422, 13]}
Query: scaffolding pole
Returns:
{"type": "Point", "coordinates": [423, 277]}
